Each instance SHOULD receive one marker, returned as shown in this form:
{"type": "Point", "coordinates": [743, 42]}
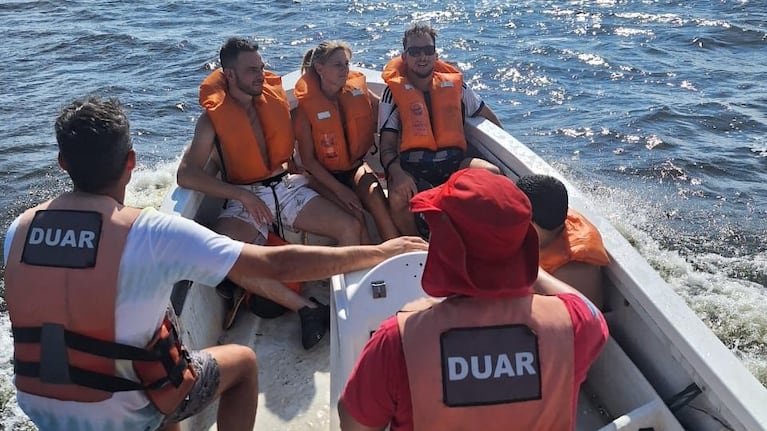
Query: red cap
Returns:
{"type": "Point", "coordinates": [482, 240]}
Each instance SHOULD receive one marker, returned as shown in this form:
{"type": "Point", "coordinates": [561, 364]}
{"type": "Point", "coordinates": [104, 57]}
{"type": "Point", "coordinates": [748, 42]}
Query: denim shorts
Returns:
{"type": "Point", "coordinates": [204, 390]}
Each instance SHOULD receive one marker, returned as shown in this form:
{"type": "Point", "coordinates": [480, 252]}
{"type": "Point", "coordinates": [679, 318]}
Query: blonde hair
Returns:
{"type": "Point", "coordinates": [322, 52]}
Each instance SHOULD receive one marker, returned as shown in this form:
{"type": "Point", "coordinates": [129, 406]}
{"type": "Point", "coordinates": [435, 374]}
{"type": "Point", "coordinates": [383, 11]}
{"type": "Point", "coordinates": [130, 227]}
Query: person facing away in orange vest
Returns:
{"type": "Point", "coordinates": [506, 349]}
{"type": "Point", "coordinates": [420, 119]}
{"type": "Point", "coordinates": [571, 247]}
{"type": "Point", "coordinates": [335, 127]}
{"type": "Point", "coordinates": [246, 129]}
{"type": "Point", "coordinates": [88, 283]}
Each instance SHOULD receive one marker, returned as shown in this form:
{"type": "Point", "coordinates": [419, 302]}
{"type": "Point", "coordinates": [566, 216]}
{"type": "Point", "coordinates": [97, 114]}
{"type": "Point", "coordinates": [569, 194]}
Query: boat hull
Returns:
{"type": "Point", "coordinates": [658, 348]}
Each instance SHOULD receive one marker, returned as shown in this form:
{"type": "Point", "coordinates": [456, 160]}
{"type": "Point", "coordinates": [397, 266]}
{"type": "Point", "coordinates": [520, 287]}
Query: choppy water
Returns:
{"type": "Point", "coordinates": [656, 109]}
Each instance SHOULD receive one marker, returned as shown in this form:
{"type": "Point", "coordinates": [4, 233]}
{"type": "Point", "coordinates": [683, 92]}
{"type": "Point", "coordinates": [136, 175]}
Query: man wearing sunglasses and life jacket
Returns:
{"type": "Point", "coordinates": [420, 120]}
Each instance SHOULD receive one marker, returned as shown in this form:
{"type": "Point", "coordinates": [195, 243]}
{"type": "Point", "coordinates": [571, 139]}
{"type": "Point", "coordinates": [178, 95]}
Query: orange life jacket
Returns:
{"type": "Point", "coordinates": [579, 241]}
{"type": "Point", "coordinates": [61, 287]}
{"type": "Point", "coordinates": [273, 240]}
{"type": "Point", "coordinates": [440, 127]}
{"type": "Point", "coordinates": [241, 157]}
{"type": "Point", "coordinates": [497, 364]}
{"type": "Point", "coordinates": [341, 136]}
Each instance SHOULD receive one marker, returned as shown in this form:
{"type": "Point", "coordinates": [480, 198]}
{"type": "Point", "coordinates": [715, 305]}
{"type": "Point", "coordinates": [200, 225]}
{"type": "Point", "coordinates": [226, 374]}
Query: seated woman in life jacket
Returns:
{"type": "Point", "coordinates": [571, 247]}
{"type": "Point", "coordinates": [335, 127]}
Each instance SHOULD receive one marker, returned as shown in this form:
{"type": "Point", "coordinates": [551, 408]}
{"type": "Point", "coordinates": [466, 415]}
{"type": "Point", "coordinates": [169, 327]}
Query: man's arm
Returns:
{"type": "Point", "coordinates": [304, 262]}
{"type": "Point", "coordinates": [490, 115]}
{"type": "Point", "coordinates": [348, 423]}
{"type": "Point", "coordinates": [388, 128]}
{"type": "Point", "coordinates": [257, 267]}
{"type": "Point", "coordinates": [374, 102]}
{"type": "Point", "coordinates": [389, 142]}
{"type": "Point", "coordinates": [547, 284]}
{"type": "Point", "coordinates": [584, 277]}
{"type": "Point", "coordinates": [475, 107]}
{"type": "Point", "coordinates": [400, 183]}
{"type": "Point", "coordinates": [191, 170]}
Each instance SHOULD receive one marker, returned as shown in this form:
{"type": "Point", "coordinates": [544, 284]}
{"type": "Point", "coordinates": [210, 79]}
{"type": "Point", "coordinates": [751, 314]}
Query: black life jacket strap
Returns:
{"type": "Point", "coordinates": [220, 152]}
{"type": "Point", "coordinates": [175, 370]}
{"type": "Point", "coordinates": [84, 343]}
{"type": "Point", "coordinates": [90, 379]}
{"type": "Point", "coordinates": [65, 374]}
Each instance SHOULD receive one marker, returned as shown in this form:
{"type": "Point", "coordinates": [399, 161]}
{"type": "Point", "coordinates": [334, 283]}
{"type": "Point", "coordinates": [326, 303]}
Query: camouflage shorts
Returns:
{"type": "Point", "coordinates": [204, 390]}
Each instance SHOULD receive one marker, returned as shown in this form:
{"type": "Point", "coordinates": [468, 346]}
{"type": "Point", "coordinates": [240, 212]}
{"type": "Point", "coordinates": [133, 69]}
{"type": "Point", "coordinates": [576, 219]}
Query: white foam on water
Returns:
{"type": "Point", "coordinates": [149, 185]}
{"type": "Point", "coordinates": [716, 287]}
{"type": "Point", "coordinates": [734, 308]}
{"type": "Point", "coordinates": [12, 416]}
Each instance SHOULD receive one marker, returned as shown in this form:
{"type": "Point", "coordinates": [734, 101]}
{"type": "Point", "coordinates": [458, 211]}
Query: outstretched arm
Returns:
{"type": "Point", "coordinates": [303, 262]}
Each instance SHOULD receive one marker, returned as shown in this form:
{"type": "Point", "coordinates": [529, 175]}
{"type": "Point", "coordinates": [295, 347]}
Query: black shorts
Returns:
{"type": "Point", "coordinates": [346, 177]}
{"type": "Point", "coordinates": [431, 168]}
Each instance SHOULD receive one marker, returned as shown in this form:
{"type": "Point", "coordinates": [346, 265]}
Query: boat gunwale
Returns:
{"type": "Point", "coordinates": [727, 385]}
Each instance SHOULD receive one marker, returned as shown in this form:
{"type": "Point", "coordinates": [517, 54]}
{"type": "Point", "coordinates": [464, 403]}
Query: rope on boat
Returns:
{"type": "Point", "coordinates": [684, 397]}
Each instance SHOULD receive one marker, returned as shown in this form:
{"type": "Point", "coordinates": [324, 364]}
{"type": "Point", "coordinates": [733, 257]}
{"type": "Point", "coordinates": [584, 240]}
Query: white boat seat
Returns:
{"type": "Point", "coordinates": [364, 299]}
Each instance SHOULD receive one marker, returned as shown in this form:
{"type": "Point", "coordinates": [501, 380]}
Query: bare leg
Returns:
{"type": "Point", "coordinates": [323, 217]}
{"type": "Point", "coordinates": [237, 229]}
{"type": "Point", "coordinates": [273, 290]}
{"type": "Point", "coordinates": [479, 163]}
{"type": "Point", "coordinates": [238, 388]}
{"type": "Point", "coordinates": [329, 195]}
{"type": "Point", "coordinates": [401, 215]}
{"type": "Point", "coordinates": [371, 194]}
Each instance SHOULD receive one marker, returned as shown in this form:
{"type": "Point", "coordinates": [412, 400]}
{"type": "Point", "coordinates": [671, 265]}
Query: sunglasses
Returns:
{"type": "Point", "coordinates": [415, 51]}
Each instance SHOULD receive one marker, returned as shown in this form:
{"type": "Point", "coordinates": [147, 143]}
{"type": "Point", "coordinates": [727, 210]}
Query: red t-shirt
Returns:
{"type": "Point", "coordinates": [377, 392]}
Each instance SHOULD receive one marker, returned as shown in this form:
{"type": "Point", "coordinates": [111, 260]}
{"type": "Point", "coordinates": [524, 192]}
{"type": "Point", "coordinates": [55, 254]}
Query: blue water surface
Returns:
{"type": "Point", "coordinates": [657, 110]}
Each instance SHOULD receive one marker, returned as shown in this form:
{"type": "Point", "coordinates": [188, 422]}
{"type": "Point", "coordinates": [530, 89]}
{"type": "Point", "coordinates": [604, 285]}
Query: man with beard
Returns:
{"type": "Point", "coordinates": [247, 122]}
{"type": "Point", "coordinates": [420, 119]}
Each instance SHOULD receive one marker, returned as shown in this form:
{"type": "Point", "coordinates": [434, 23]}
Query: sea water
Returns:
{"type": "Point", "coordinates": [656, 110]}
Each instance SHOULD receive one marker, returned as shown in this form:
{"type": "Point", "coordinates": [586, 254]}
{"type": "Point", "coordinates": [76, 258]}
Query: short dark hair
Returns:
{"type": "Point", "coordinates": [232, 49]}
{"type": "Point", "coordinates": [93, 136]}
{"type": "Point", "coordinates": [548, 197]}
{"type": "Point", "coordinates": [419, 30]}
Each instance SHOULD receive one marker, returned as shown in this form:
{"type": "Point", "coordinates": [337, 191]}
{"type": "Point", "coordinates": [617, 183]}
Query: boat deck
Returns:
{"type": "Point", "coordinates": [294, 384]}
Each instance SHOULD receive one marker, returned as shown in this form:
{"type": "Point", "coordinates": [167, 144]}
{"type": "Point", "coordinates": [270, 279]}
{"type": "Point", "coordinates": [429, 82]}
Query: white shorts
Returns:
{"type": "Point", "coordinates": [293, 193]}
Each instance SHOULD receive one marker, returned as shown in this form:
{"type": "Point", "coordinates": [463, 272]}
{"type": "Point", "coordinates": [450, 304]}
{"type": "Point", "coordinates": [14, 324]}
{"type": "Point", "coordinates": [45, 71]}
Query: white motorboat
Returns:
{"type": "Point", "coordinates": [662, 368]}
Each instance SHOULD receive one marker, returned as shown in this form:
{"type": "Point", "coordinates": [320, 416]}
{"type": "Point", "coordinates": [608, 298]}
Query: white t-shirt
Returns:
{"type": "Point", "coordinates": [388, 114]}
{"type": "Point", "coordinates": [160, 250]}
